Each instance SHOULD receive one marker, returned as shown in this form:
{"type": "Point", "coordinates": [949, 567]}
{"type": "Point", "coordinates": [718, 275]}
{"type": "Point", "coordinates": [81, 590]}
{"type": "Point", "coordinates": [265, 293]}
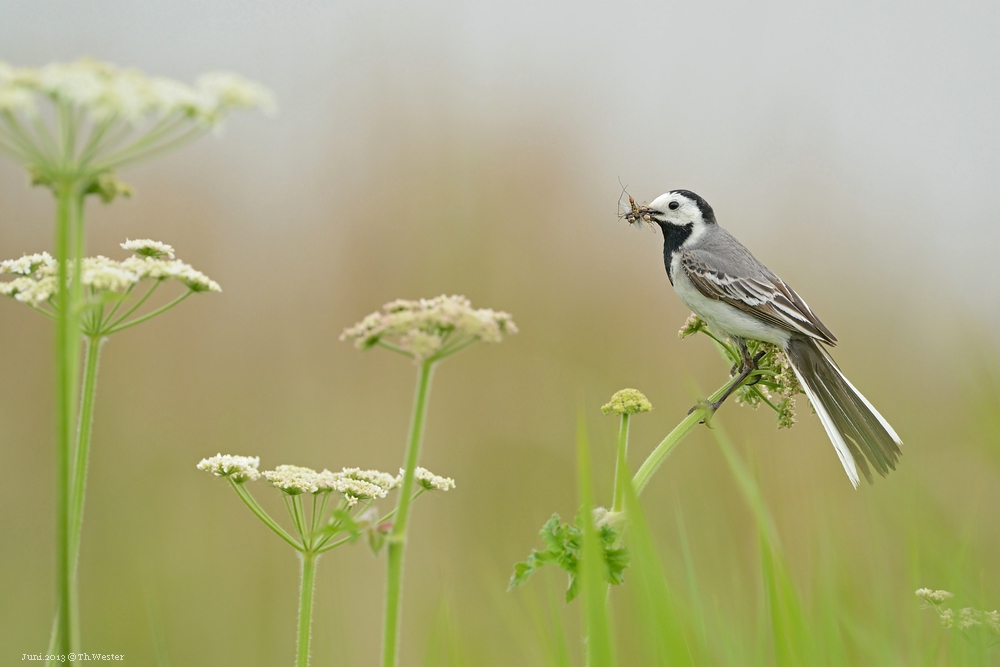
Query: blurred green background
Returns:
{"type": "Point", "coordinates": [428, 148]}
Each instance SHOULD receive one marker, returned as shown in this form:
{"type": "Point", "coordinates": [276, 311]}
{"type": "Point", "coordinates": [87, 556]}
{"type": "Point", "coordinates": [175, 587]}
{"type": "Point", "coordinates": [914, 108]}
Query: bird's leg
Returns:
{"type": "Point", "coordinates": [748, 365]}
{"type": "Point", "coordinates": [746, 361]}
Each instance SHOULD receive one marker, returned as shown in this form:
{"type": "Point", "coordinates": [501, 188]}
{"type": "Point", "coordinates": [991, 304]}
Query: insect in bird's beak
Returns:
{"type": "Point", "coordinates": [636, 215]}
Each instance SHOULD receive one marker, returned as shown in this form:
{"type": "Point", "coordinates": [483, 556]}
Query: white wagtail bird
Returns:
{"type": "Point", "coordinates": [725, 285]}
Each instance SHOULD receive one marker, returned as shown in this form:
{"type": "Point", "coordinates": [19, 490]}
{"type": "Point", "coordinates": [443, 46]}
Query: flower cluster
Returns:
{"type": "Point", "coordinates": [692, 325]}
{"type": "Point", "coordinates": [971, 622]}
{"type": "Point", "coordinates": [295, 480]}
{"type": "Point", "coordinates": [238, 468]}
{"type": "Point", "coordinates": [356, 484]}
{"type": "Point", "coordinates": [934, 597]}
{"type": "Point", "coordinates": [431, 482]}
{"type": "Point", "coordinates": [776, 384]}
{"type": "Point", "coordinates": [109, 92]}
{"type": "Point", "coordinates": [627, 402]}
{"type": "Point", "coordinates": [37, 275]}
{"type": "Point", "coordinates": [149, 248]}
{"type": "Point", "coordinates": [430, 327]}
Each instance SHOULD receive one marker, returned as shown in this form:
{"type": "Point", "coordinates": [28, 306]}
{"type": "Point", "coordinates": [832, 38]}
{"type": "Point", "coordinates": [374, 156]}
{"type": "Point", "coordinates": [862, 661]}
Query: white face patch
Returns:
{"type": "Point", "coordinates": [687, 213]}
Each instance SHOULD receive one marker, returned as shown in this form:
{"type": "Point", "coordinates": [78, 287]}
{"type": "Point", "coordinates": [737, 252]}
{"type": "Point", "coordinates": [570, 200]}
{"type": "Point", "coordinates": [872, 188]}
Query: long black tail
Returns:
{"type": "Point", "coordinates": [855, 427]}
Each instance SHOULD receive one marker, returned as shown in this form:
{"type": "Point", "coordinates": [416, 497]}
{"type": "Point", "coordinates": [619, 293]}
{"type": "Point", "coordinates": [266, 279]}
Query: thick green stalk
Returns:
{"type": "Point", "coordinates": [666, 446]}
{"type": "Point", "coordinates": [80, 459]}
{"type": "Point", "coordinates": [397, 539]}
{"type": "Point", "coordinates": [68, 246]}
{"type": "Point", "coordinates": [620, 459]}
{"type": "Point", "coordinates": [308, 583]}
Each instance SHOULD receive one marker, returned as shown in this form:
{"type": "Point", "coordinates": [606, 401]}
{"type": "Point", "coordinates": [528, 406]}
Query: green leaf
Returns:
{"type": "Point", "coordinates": [563, 542]}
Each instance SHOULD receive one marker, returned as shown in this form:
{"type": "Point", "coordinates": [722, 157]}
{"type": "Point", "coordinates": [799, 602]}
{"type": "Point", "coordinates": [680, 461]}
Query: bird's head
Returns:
{"type": "Point", "coordinates": [679, 208]}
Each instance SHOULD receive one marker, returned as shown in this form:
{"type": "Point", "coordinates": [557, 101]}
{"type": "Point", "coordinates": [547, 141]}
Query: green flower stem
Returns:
{"type": "Point", "coordinates": [318, 508]}
{"type": "Point", "coordinates": [161, 129]}
{"type": "Point", "coordinates": [111, 322]}
{"type": "Point", "coordinates": [397, 539]}
{"type": "Point", "coordinates": [394, 348]}
{"type": "Point", "coordinates": [80, 459]}
{"type": "Point", "coordinates": [97, 132]}
{"type": "Point", "coordinates": [259, 512]}
{"type": "Point", "coordinates": [50, 315]}
{"type": "Point", "coordinates": [454, 348]}
{"type": "Point", "coordinates": [325, 544]}
{"type": "Point", "coordinates": [20, 137]}
{"type": "Point", "coordinates": [146, 150]}
{"type": "Point", "coordinates": [662, 451]}
{"type": "Point", "coordinates": [299, 517]}
{"type": "Point", "coordinates": [69, 244]}
{"type": "Point", "coordinates": [113, 137]}
{"type": "Point", "coordinates": [9, 144]}
{"type": "Point", "coordinates": [48, 151]}
{"type": "Point", "coordinates": [619, 497]}
{"type": "Point", "coordinates": [308, 583]}
{"type": "Point", "coordinates": [149, 315]}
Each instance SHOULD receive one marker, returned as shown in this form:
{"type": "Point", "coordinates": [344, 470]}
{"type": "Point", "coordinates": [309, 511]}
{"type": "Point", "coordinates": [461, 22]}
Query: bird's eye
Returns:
{"type": "Point", "coordinates": [673, 205]}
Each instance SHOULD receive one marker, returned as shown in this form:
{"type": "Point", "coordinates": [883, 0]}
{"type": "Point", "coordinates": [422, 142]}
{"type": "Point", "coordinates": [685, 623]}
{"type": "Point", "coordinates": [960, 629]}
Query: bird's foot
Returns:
{"type": "Point", "coordinates": [748, 366]}
{"type": "Point", "coordinates": [708, 406]}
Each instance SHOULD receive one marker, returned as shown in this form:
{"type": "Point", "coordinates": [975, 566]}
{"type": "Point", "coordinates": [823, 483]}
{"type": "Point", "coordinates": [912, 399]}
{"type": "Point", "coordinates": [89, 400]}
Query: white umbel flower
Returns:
{"type": "Point", "coordinates": [28, 264]}
{"type": "Point", "coordinates": [423, 328]}
{"type": "Point", "coordinates": [294, 480]}
{"type": "Point", "coordinates": [225, 90]}
{"type": "Point", "coordinates": [149, 248]}
{"type": "Point", "coordinates": [934, 597]}
{"type": "Point", "coordinates": [428, 480]}
{"type": "Point", "coordinates": [107, 91]}
{"type": "Point", "coordinates": [355, 490]}
{"type": "Point", "coordinates": [101, 274]}
{"type": "Point", "coordinates": [238, 468]}
{"type": "Point", "coordinates": [31, 291]}
{"type": "Point", "coordinates": [356, 484]}
{"type": "Point", "coordinates": [175, 269]}
{"type": "Point", "coordinates": [37, 274]}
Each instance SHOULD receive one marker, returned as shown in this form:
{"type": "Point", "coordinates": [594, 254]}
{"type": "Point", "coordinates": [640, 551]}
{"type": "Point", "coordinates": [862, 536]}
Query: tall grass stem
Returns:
{"type": "Point", "coordinates": [600, 649]}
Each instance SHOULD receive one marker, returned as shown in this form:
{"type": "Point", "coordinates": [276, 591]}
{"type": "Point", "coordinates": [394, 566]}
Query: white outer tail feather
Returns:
{"type": "Point", "coordinates": [881, 420]}
{"type": "Point", "coordinates": [836, 437]}
{"type": "Point", "coordinates": [846, 458]}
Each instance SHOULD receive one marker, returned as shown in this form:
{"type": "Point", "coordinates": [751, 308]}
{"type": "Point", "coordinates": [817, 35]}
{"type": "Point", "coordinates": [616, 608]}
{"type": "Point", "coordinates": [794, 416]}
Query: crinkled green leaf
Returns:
{"type": "Point", "coordinates": [563, 542]}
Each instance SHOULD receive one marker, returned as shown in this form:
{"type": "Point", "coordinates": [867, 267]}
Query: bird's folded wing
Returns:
{"type": "Point", "coordinates": [765, 297]}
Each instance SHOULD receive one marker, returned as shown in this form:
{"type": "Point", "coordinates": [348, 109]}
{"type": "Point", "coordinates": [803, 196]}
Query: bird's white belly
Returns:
{"type": "Point", "coordinates": [723, 318]}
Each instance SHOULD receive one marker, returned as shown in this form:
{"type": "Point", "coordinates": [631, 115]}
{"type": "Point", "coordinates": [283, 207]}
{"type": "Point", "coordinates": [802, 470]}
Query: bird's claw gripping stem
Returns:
{"type": "Point", "coordinates": [747, 366]}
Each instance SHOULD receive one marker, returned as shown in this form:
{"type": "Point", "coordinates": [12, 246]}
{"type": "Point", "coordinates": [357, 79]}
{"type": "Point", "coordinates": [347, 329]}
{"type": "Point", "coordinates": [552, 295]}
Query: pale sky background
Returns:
{"type": "Point", "coordinates": [887, 109]}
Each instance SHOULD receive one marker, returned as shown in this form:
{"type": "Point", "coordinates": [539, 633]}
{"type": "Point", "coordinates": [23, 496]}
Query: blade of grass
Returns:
{"type": "Point", "coordinates": [600, 649]}
{"type": "Point", "coordinates": [663, 621]}
{"type": "Point", "coordinates": [560, 646]}
{"type": "Point", "coordinates": [694, 588]}
{"type": "Point", "coordinates": [790, 639]}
